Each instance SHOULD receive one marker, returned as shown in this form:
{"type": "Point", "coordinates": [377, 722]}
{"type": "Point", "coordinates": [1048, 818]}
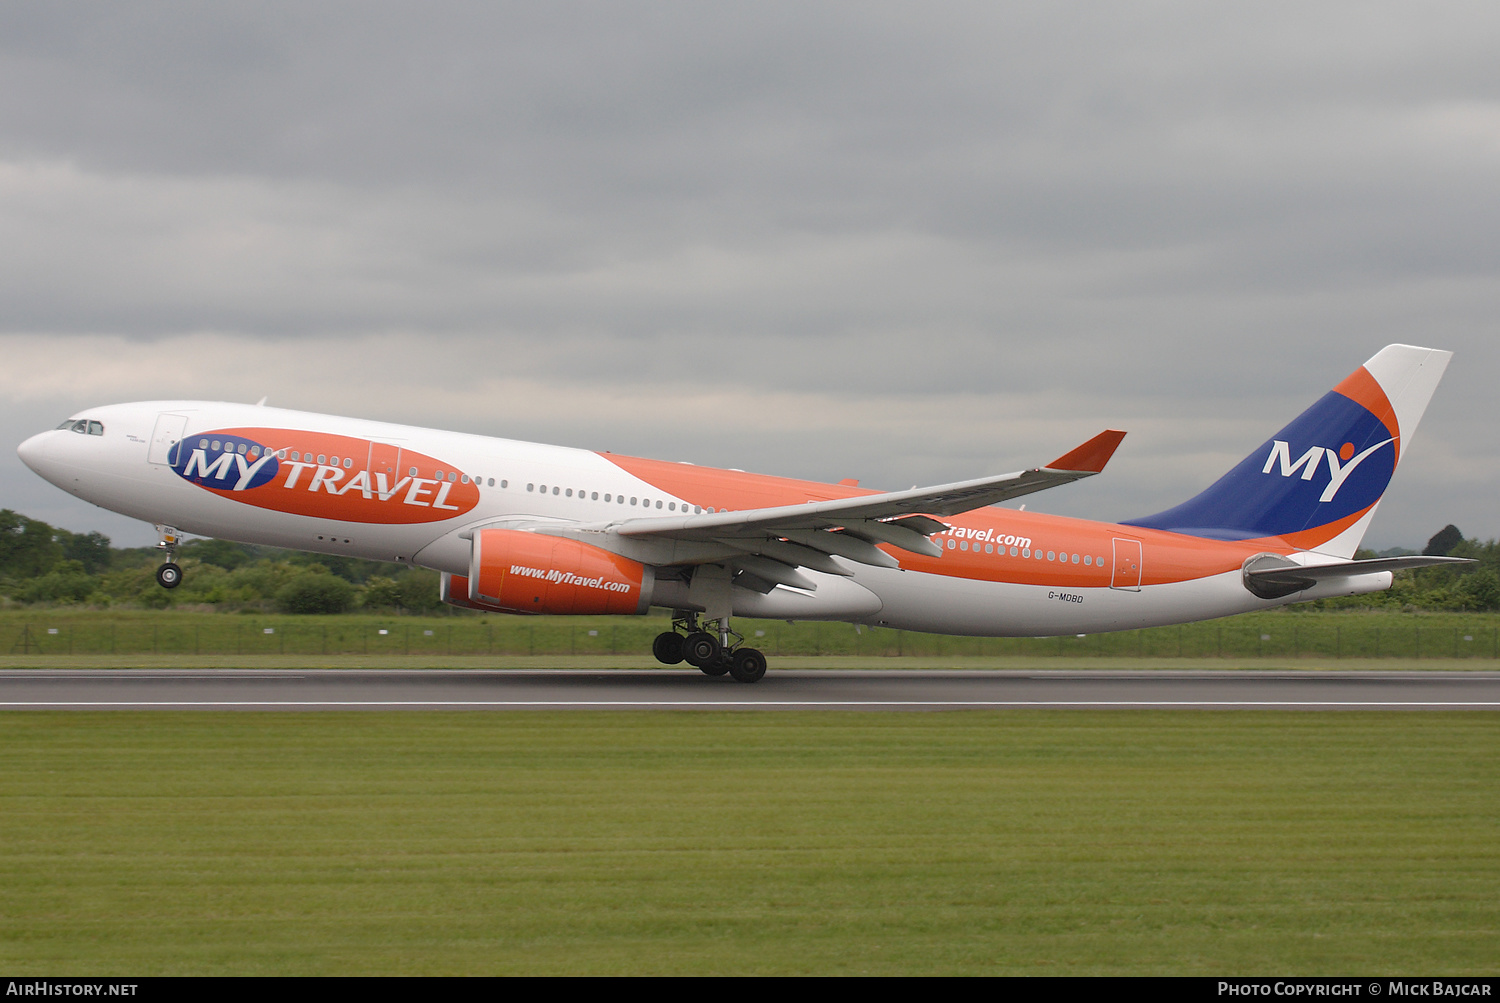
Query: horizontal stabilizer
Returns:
{"type": "Point", "coordinates": [1272, 576]}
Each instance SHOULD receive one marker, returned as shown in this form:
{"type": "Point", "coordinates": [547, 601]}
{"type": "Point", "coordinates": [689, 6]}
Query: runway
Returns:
{"type": "Point", "coordinates": [793, 689]}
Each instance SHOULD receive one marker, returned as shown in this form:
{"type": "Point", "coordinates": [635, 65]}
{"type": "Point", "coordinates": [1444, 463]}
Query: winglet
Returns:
{"type": "Point", "coordinates": [1092, 455]}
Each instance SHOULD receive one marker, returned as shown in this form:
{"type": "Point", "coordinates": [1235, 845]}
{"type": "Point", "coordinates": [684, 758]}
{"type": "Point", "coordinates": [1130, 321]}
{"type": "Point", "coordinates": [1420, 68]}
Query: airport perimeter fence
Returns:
{"type": "Point", "coordinates": [1270, 636]}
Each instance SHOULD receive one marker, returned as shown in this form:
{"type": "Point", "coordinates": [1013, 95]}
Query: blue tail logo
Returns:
{"type": "Point", "coordinates": [1332, 462]}
{"type": "Point", "coordinates": [1341, 464]}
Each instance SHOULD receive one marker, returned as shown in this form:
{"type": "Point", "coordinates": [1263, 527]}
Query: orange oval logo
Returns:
{"type": "Point", "coordinates": [328, 476]}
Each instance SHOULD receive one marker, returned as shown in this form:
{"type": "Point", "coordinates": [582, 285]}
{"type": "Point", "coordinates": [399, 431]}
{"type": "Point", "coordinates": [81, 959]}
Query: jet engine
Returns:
{"type": "Point", "coordinates": [531, 573]}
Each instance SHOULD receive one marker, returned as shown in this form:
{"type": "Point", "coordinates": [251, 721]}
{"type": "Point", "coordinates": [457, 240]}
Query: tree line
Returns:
{"type": "Point", "coordinates": [44, 565]}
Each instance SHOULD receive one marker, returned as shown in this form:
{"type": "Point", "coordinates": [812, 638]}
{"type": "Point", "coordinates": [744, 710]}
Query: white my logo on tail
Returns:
{"type": "Point", "coordinates": [1341, 463]}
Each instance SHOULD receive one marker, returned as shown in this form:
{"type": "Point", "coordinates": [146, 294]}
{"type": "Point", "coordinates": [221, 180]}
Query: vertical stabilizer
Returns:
{"type": "Point", "coordinates": [1317, 482]}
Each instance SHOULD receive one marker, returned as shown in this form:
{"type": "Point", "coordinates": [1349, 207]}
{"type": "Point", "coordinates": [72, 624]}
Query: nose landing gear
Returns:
{"type": "Point", "coordinates": [687, 641]}
{"type": "Point", "coordinates": [169, 575]}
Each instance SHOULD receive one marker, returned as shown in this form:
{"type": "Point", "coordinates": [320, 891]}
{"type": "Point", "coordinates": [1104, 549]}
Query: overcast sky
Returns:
{"type": "Point", "coordinates": [905, 243]}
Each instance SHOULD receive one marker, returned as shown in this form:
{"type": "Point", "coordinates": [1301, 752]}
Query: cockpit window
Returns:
{"type": "Point", "coordinates": [96, 428]}
{"type": "Point", "coordinates": [83, 426]}
{"type": "Point", "coordinates": [66, 424]}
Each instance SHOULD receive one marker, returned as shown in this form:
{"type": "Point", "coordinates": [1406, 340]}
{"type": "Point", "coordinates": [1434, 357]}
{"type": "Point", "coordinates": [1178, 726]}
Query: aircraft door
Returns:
{"type": "Point", "coordinates": [168, 433]}
{"type": "Point", "coordinates": [1127, 568]}
{"type": "Point", "coordinates": [384, 458]}
{"type": "Point", "coordinates": [385, 461]}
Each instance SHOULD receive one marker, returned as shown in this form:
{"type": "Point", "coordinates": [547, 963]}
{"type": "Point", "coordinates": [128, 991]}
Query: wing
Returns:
{"type": "Point", "coordinates": [765, 546]}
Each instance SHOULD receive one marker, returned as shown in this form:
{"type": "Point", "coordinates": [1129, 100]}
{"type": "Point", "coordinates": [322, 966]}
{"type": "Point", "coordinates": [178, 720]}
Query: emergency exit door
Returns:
{"type": "Point", "coordinates": [1127, 570]}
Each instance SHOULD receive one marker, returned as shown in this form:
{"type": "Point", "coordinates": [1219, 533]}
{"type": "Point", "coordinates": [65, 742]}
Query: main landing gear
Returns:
{"type": "Point", "coordinates": [710, 654]}
{"type": "Point", "coordinates": [169, 575]}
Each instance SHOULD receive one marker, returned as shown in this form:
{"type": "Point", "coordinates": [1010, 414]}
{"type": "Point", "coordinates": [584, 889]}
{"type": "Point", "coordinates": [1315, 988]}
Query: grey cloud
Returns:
{"type": "Point", "coordinates": [1076, 214]}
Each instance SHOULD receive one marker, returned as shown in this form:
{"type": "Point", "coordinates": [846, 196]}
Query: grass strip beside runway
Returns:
{"type": "Point", "coordinates": [969, 842]}
{"type": "Point", "coordinates": [639, 663]}
{"type": "Point", "coordinates": [52, 634]}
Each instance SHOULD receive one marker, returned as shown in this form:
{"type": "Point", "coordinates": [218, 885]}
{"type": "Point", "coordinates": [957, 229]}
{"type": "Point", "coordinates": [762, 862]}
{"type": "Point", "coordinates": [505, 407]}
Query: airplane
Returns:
{"type": "Point", "coordinates": [521, 527]}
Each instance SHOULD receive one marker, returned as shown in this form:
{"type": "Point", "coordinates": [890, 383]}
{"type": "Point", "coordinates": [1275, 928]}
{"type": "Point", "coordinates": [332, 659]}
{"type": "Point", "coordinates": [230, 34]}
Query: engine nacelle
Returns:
{"type": "Point", "coordinates": [532, 573]}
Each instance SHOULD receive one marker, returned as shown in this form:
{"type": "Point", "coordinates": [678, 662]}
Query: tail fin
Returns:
{"type": "Point", "coordinates": [1316, 483]}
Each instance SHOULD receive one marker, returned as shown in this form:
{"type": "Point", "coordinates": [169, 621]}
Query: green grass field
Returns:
{"type": "Point", "coordinates": [1275, 635]}
{"type": "Point", "coordinates": [547, 843]}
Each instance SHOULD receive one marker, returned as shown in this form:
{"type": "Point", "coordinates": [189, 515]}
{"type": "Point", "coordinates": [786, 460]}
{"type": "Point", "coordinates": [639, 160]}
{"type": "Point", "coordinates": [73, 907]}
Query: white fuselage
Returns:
{"type": "Point", "coordinates": [411, 512]}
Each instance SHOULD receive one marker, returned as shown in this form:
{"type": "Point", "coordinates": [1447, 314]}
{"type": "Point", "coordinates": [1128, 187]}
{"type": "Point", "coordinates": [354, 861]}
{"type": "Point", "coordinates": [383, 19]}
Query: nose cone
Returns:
{"type": "Point", "coordinates": [30, 451]}
{"type": "Point", "coordinates": [36, 454]}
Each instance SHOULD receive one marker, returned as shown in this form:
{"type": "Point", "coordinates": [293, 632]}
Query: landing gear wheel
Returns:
{"type": "Point", "coordinates": [667, 647]}
{"type": "Point", "coordinates": [715, 668]}
{"type": "Point", "coordinates": [701, 649]}
{"type": "Point", "coordinates": [747, 665]}
{"type": "Point", "coordinates": [169, 575]}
